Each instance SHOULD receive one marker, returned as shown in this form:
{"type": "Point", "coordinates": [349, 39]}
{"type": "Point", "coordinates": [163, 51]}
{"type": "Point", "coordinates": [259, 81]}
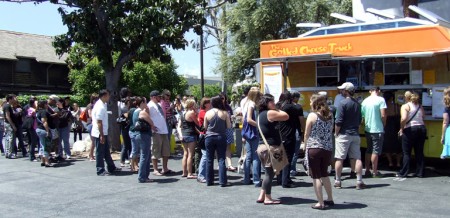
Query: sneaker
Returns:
{"type": "Point", "coordinates": [12, 156]}
{"type": "Point", "coordinates": [68, 157]}
{"type": "Point", "coordinates": [59, 158]}
{"type": "Point", "coordinates": [127, 162]}
{"type": "Point", "coordinates": [360, 185]}
{"type": "Point", "coordinates": [367, 174]}
{"type": "Point", "coordinates": [293, 173]}
{"type": "Point", "coordinates": [104, 174]}
{"type": "Point", "coordinates": [337, 184]}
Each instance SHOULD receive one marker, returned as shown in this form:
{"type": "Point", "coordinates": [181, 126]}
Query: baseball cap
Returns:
{"type": "Point", "coordinates": [347, 86]}
{"type": "Point", "coordinates": [154, 93]}
{"type": "Point", "coordinates": [322, 93]}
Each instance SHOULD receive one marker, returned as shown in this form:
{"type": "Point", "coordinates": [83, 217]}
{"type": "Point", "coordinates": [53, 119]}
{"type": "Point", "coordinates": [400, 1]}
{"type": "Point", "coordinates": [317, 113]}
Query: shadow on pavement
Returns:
{"type": "Point", "coordinates": [348, 205]}
{"type": "Point", "coordinates": [369, 186]}
{"type": "Point", "coordinates": [295, 201]}
{"type": "Point", "coordinates": [165, 180]}
{"type": "Point", "coordinates": [123, 173]}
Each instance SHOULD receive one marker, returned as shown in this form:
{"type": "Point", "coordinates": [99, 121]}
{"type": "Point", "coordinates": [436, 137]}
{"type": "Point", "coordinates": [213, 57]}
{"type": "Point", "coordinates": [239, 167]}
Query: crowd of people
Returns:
{"type": "Point", "coordinates": [330, 134]}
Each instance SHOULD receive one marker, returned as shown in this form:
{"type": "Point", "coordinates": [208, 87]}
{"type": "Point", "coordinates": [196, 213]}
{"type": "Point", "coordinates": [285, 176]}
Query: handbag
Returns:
{"type": "Point", "coordinates": [276, 154]}
{"type": "Point", "coordinates": [141, 126]}
{"type": "Point", "coordinates": [248, 131]}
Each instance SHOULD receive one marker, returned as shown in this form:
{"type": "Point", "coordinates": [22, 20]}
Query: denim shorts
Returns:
{"type": "Point", "coordinates": [189, 139]}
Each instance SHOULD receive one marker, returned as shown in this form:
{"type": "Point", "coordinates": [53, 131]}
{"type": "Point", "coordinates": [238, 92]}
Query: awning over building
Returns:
{"type": "Point", "coordinates": [422, 40]}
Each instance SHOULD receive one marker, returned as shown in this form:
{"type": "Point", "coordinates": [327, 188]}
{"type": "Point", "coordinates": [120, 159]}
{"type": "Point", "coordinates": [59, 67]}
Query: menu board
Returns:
{"type": "Point", "coordinates": [437, 100]}
{"type": "Point", "coordinates": [273, 81]}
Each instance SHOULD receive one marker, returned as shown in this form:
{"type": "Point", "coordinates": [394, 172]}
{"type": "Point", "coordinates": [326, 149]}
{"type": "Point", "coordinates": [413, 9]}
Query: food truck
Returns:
{"type": "Point", "coordinates": [397, 55]}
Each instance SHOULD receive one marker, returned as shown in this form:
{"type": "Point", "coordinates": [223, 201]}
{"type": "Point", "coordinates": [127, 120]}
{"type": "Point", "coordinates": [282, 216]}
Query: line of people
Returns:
{"type": "Point", "coordinates": [55, 117]}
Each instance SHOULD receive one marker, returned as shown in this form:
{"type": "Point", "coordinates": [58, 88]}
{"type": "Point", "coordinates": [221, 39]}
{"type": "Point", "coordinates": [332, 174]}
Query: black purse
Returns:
{"type": "Point", "coordinates": [201, 141]}
{"type": "Point", "coordinates": [141, 126]}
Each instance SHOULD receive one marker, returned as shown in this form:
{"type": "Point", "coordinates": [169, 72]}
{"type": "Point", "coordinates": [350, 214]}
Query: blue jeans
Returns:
{"type": "Point", "coordinates": [126, 146]}
{"type": "Point", "coordinates": [144, 163]}
{"type": "Point", "coordinates": [134, 145]}
{"type": "Point", "coordinates": [43, 147]}
{"type": "Point", "coordinates": [102, 155]}
{"type": "Point", "coordinates": [64, 137]}
{"type": "Point", "coordinates": [202, 166]}
{"type": "Point", "coordinates": [216, 143]}
{"type": "Point", "coordinates": [298, 141]}
{"type": "Point", "coordinates": [1, 141]}
{"type": "Point", "coordinates": [251, 158]}
{"type": "Point", "coordinates": [33, 141]}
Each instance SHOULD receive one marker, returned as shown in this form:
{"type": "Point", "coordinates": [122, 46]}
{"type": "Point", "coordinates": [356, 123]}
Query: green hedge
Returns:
{"type": "Point", "coordinates": [81, 101]}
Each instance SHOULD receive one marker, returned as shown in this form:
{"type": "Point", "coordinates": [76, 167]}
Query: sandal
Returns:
{"type": "Point", "coordinates": [273, 202]}
{"type": "Point", "coordinates": [231, 169]}
{"type": "Point", "coordinates": [167, 172]}
{"type": "Point", "coordinates": [191, 177]}
{"type": "Point", "coordinates": [260, 201]}
{"type": "Point", "coordinates": [318, 207]}
{"type": "Point", "coordinates": [156, 173]}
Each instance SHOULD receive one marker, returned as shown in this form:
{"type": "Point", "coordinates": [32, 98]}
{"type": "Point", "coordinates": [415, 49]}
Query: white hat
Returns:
{"type": "Point", "coordinates": [53, 97]}
{"type": "Point", "coordinates": [347, 86]}
{"type": "Point", "coordinates": [322, 93]}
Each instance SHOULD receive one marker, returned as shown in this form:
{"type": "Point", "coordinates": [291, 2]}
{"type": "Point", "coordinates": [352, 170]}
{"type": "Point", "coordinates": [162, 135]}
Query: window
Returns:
{"type": "Point", "coordinates": [327, 73]}
{"type": "Point", "coordinates": [23, 66]}
{"type": "Point", "coordinates": [396, 71]}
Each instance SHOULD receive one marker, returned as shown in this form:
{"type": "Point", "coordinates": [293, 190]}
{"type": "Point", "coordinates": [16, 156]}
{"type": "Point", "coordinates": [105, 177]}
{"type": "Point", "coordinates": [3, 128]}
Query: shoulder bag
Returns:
{"type": "Point", "coordinates": [276, 154]}
{"type": "Point", "coordinates": [248, 131]}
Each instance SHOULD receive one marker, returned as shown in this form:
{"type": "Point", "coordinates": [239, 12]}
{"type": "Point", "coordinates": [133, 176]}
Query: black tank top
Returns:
{"type": "Point", "coordinates": [187, 128]}
{"type": "Point", "coordinates": [269, 129]}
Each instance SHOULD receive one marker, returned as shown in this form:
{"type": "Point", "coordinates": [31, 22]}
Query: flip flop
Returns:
{"type": "Point", "coordinates": [183, 176]}
{"type": "Point", "coordinates": [260, 201]}
{"type": "Point", "coordinates": [167, 172]}
{"type": "Point", "coordinates": [272, 202]}
{"type": "Point", "coordinates": [157, 173]}
{"type": "Point", "coordinates": [192, 177]}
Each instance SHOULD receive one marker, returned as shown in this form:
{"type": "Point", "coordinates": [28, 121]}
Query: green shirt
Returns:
{"type": "Point", "coordinates": [371, 112]}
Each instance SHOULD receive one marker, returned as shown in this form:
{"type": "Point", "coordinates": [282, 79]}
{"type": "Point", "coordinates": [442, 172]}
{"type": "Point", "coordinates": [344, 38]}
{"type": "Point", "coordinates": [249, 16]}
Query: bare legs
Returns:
{"type": "Point", "coordinates": [356, 163]}
{"type": "Point", "coordinates": [188, 155]}
{"type": "Point", "coordinates": [374, 159]}
{"type": "Point", "coordinates": [325, 181]}
{"type": "Point", "coordinates": [228, 159]}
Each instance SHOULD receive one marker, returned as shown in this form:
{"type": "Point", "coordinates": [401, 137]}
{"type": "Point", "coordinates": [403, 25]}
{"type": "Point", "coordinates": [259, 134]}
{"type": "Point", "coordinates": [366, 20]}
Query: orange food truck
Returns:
{"type": "Point", "coordinates": [396, 55]}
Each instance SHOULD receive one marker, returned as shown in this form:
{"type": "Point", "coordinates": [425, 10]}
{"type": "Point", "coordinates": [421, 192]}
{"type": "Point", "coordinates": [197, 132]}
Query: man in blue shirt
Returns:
{"type": "Point", "coordinates": [348, 119]}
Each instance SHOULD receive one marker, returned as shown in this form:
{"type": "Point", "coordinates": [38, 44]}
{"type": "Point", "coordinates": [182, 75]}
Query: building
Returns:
{"type": "Point", "coordinates": [396, 54]}
{"type": "Point", "coordinates": [29, 65]}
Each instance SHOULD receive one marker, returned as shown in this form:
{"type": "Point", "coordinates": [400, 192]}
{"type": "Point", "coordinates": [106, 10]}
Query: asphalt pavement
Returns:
{"type": "Point", "coordinates": [72, 189]}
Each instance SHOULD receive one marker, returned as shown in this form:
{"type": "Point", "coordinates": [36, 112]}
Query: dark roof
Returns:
{"type": "Point", "coordinates": [15, 45]}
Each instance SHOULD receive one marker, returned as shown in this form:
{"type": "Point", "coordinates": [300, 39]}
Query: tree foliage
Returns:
{"type": "Point", "coordinates": [249, 22]}
{"type": "Point", "coordinates": [87, 76]}
{"type": "Point", "coordinates": [210, 90]}
{"type": "Point", "coordinates": [133, 30]}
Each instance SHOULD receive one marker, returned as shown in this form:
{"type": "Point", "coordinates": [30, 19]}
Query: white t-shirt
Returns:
{"type": "Point", "coordinates": [158, 118]}
{"type": "Point", "coordinates": [99, 112]}
{"type": "Point", "coordinates": [248, 104]}
{"type": "Point", "coordinates": [243, 101]}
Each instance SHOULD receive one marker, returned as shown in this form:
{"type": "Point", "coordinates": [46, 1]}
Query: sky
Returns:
{"type": "Point", "coordinates": [44, 19]}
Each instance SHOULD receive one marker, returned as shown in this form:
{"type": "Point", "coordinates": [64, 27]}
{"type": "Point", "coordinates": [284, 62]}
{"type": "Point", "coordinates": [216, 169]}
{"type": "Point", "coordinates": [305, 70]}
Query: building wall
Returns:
{"type": "Point", "coordinates": [302, 74]}
{"type": "Point", "coordinates": [440, 64]}
{"type": "Point", "coordinates": [34, 81]}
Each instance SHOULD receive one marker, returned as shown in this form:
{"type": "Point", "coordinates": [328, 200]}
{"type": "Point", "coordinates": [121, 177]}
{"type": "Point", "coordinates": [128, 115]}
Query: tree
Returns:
{"type": "Point", "coordinates": [249, 22]}
{"type": "Point", "coordinates": [210, 90]}
{"type": "Point", "coordinates": [87, 76]}
{"type": "Point", "coordinates": [134, 30]}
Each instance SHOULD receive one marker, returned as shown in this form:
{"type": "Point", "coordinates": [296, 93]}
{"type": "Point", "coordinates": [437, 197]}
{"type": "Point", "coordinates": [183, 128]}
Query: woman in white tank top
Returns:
{"type": "Point", "coordinates": [413, 133]}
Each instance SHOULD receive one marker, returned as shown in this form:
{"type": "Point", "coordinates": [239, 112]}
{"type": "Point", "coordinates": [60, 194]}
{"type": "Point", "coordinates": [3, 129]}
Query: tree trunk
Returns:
{"type": "Point", "coordinates": [112, 85]}
{"type": "Point", "coordinates": [406, 11]}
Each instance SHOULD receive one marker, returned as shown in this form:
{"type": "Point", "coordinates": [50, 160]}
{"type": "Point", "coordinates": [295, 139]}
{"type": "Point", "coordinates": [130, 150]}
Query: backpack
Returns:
{"type": "Point", "coordinates": [84, 115]}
